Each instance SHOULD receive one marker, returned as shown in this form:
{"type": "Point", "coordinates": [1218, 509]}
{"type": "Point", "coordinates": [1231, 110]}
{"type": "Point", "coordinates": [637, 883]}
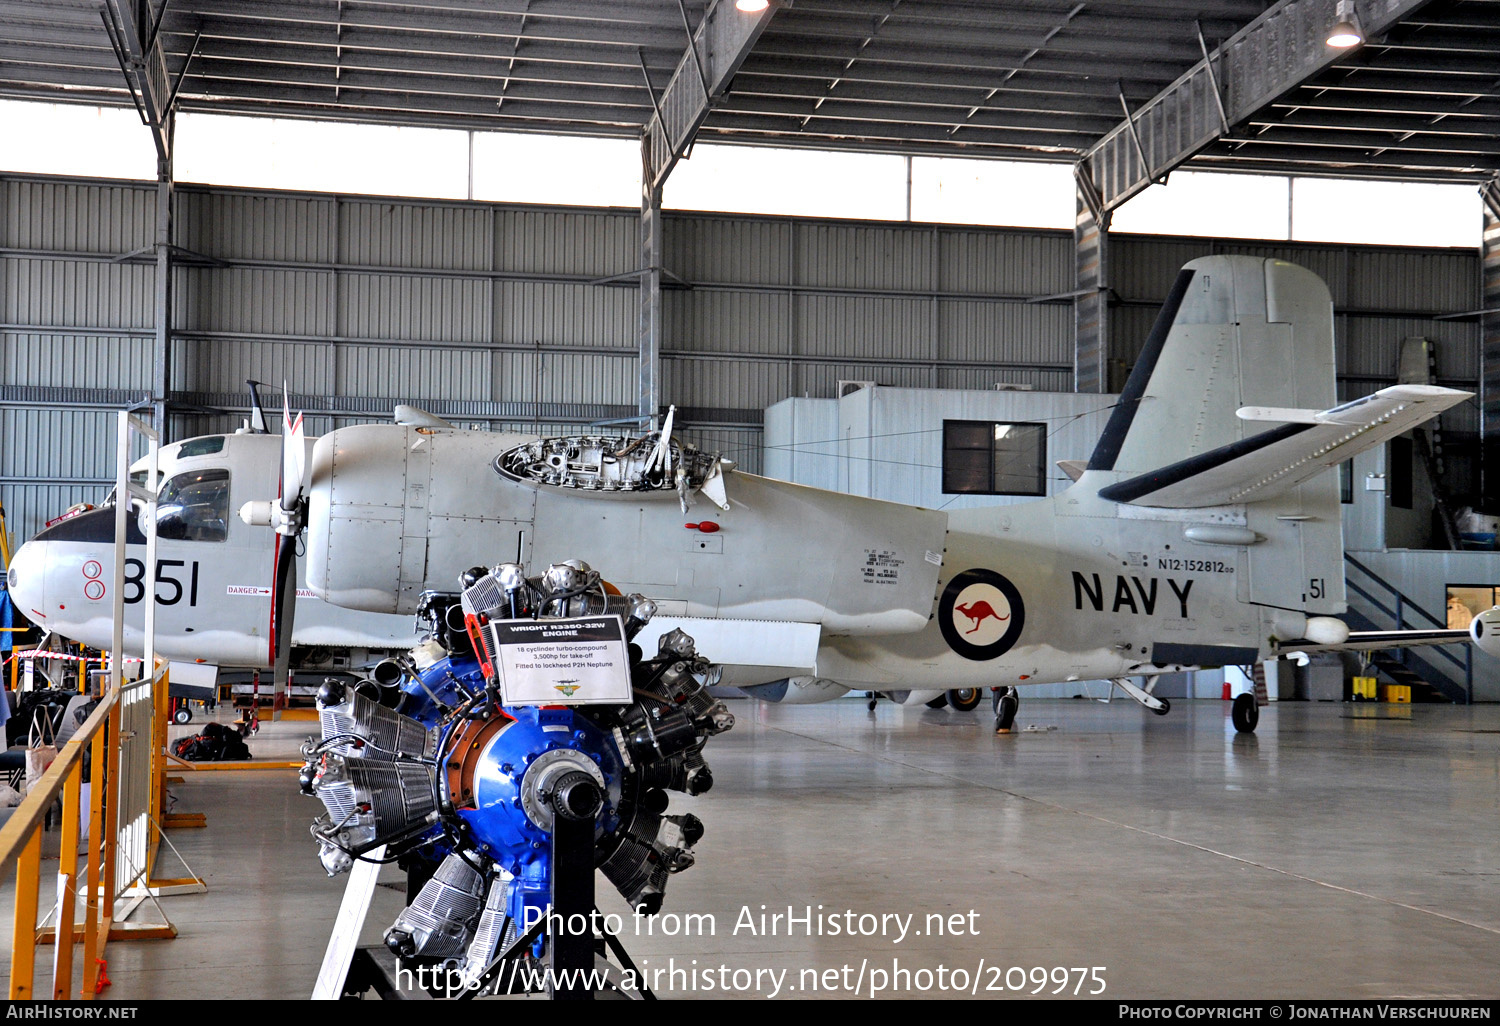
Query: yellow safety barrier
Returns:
{"type": "Point", "coordinates": [21, 845]}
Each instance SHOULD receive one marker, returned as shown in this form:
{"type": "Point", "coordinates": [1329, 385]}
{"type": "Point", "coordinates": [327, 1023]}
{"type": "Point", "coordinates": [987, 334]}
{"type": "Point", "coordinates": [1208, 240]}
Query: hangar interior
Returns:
{"type": "Point", "coordinates": [545, 320]}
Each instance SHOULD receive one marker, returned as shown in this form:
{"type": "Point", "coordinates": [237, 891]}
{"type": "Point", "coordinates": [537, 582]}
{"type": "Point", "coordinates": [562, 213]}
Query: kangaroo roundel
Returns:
{"type": "Point", "coordinates": [981, 614]}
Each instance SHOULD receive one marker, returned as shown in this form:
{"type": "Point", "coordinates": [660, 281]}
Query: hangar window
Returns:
{"type": "Point", "coordinates": [1466, 601]}
{"type": "Point", "coordinates": [1399, 473]}
{"type": "Point", "coordinates": [985, 457]}
{"type": "Point", "coordinates": [194, 507]}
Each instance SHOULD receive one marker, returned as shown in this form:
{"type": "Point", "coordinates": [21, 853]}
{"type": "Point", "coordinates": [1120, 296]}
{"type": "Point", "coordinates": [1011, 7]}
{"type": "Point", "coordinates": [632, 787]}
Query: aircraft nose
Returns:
{"type": "Point", "coordinates": [26, 579]}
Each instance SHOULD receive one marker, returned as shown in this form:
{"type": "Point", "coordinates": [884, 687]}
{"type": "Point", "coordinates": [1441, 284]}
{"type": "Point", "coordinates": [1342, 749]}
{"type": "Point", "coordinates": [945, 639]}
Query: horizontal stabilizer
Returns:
{"type": "Point", "coordinates": [1369, 641]}
{"type": "Point", "coordinates": [1303, 445]}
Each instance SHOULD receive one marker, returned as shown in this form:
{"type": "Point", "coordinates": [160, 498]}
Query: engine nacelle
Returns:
{"type": "Point", "coordinates": [1484, 629]}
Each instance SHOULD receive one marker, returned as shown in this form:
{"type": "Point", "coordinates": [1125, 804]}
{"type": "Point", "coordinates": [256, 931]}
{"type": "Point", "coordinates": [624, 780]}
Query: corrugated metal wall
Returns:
{"type": "Point", "coordinates": [525, 318]}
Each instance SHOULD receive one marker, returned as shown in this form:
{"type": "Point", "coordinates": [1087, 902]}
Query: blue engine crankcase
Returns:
{"type": "Point", "coordinates": [441, 686]}
{"type": "Point", "coordinates": [500, 776]}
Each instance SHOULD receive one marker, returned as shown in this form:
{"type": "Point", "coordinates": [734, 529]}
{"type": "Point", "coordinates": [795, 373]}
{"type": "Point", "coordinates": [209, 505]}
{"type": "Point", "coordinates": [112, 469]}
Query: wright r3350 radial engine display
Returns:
{"type": "Point", "coordinates": [429, 761]}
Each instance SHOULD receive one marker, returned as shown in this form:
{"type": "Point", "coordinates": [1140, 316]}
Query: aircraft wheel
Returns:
{"type": "Point", "coordinates": [1166, 707]}
{"type": "Point", "coordinates": [182, 715]}
{"type": "Point", "coordinates": [873, 700]}
{"type": "Point", "coordinates": [1007, 704]}
{"type": "Point", "coordinates": [1244, 713]}
{"type": "Point", "coordinates": [941, 701]}
{"type": "Point", "coordinates": [964, 699]}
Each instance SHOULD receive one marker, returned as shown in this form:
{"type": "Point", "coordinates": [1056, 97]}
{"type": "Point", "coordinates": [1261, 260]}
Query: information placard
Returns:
{"type": "Point", "coordinates": [576, 661]}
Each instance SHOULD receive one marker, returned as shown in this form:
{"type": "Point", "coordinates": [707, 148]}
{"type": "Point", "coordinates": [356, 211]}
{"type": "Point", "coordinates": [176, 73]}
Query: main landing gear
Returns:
{"type": "Point", "coordinates": [1245, 713]}
{"type": "Point", "coordinates": [1006, 702]}
{"type": "Point", "coordinates": [964, 699]}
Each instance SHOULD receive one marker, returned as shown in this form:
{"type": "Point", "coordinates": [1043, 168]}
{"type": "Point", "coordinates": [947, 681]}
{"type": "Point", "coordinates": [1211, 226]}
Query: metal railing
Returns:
{"type": "Point", "coordinates": [21, 845]}
{"type": "Point", "coordinates": [1404, 604]}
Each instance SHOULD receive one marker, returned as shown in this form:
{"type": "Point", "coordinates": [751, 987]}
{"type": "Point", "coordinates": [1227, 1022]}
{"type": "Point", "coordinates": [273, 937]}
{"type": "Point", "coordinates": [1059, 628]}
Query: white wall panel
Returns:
{"type": "Point", "coordinates": [1006, 263]}
{"type": "Point", "coordinates": [865, 257]}
{"type": "Point", "coordinates": [253, 300]}
{"type": "Point", "coordinates": [77, 293]}
{"type": "Point", "coordinates": [387, 233]}
{"type": "Point", "coordinates": [853, 326]}
{"type": "Point", "coordinates": [224, 365]}
{"type": "Point", "coordinates": [734, 250]}
{"type": "Point", "coordinates": [727, 322]}
{"type": "Point", "coordinates": [233, 225]}
{"type": "Point", "coordinates": [103, 218]}
{"type": "Point", "coordinates": [1006, 332]}
{"type": "Point", "coordinates": [409, 373]}
{"type": "Point", "coordinates": [419, 308]}
{"type": "Point", "coordinates": [594, 244]}
{"type": "Point", "coordinates": [57, 443]}
{"type": "Point", "coordinates": [725, 383]}
{"type": "Point", "coordinates": [549, 313]}
{"type": "Point", "coordinates": [75, 361]}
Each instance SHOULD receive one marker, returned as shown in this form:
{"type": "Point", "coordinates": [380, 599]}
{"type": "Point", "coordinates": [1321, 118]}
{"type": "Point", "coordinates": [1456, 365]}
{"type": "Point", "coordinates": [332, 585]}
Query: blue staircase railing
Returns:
{"type": "Point", "coordinates": [1404, 604]}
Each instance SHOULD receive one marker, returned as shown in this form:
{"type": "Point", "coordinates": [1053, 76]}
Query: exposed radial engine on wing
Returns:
{"type": "Point", "coordinates": [427, 760]}
{"type": "Point", "coordinates": [609, 464]}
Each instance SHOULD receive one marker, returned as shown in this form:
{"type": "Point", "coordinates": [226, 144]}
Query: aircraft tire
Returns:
{"type": "Point", "coordinates": [963, 699]}
{"type": "Point", "coordinates": [1166, 707]}
{"type": "Point", "coordinates": [940, 702]}
{"type": "Point", "coordinates": [182, 715]}
{"type": "Point", "coordinates": [1244, 713]}
{"type": "Point", "coordinates": [1006, 707]}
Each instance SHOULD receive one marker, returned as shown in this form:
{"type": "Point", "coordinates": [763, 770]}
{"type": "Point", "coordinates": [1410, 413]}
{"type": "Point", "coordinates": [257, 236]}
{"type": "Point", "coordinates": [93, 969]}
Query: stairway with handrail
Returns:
{"type": "Point", "coordinates": [1437, 674]}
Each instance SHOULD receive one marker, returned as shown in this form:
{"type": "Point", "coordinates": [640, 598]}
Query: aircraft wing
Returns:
{"type": "Point", "coordinates": [1304, 444]}
{"type": "Point", "coordinates": [750, 651]}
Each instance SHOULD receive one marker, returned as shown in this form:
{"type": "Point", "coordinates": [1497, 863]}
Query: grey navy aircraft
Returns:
{"type": "Point", "coordinates": [215, 576]}
{"type": "Point", "coordinates": [1203, 531]}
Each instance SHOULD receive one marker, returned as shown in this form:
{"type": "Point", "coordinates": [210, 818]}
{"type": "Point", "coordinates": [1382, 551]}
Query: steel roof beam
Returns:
{"type": "Point", "coordinates": [131, 25]}
{"type": "Point", "coordinates": [1070, 78]}
{"type": "Point", "coordinates": [1375, 173]}
{"type": "Point", "coordinates": [722, 42]}
{"type": "Point", "coordinates": [1124, 41]}
{"type": "Point", "coordinates": [1424, 123]}
{"type": "Point", "coordinates": [1335, 159]}
{"type": "Point", "coordinates": [436, 68]}
{"type": "Point", "coordinates": [1239, 11]}
{"type": "Point", "coordinates": [242, 18]}
{"type": "Point", "coordinates": [1271, 56]}
{"type": "Point", "coordinates": [480, 41]}
{"type": "Point", "coordinates": [1389, 103]}
{"type": "Point", "coordinates": [1416, 141]}
{"type": "Point", "coordinates": [972, 59]}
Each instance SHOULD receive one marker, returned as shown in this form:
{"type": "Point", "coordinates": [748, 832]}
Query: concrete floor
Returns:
{"type": "Point", "coordinates": [1344, 851]}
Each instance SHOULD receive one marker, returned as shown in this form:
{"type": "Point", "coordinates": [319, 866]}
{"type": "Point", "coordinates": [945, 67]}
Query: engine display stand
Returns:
{"type": "Point", "coordinates": [572, 955]}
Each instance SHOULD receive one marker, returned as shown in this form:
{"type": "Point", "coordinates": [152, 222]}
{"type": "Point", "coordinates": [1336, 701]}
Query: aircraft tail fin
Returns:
{"type": "Point", "coordinates": [1232, 409]}
{"type": "Point", "coordinates": [1235, 331]}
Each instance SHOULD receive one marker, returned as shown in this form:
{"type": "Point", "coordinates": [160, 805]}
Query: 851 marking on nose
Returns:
{"type": "Point", "coordinates": [981, 614]}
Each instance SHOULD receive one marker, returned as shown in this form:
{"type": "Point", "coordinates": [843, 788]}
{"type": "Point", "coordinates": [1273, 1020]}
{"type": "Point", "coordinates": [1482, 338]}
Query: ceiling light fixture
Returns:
{"type": "Point", "coordinates": [1346, 31]}
{"type": "Point", "coordinates": [752, 6]}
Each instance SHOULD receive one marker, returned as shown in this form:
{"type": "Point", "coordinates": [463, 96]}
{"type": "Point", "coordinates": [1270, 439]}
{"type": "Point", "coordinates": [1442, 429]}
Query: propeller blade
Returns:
{"type": "Point", "coordinates": [283, 613]}
{"type": "Point", "coordinates": [662, 454]}
{"type": "Point", "coordinates": [293, 457]}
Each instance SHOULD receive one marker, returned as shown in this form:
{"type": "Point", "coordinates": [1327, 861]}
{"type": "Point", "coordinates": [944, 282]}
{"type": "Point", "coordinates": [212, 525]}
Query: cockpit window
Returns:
{"type": "Point", "coordinates": [200, 446]}
{"type": "Point", "coordinates": [194, 507]}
